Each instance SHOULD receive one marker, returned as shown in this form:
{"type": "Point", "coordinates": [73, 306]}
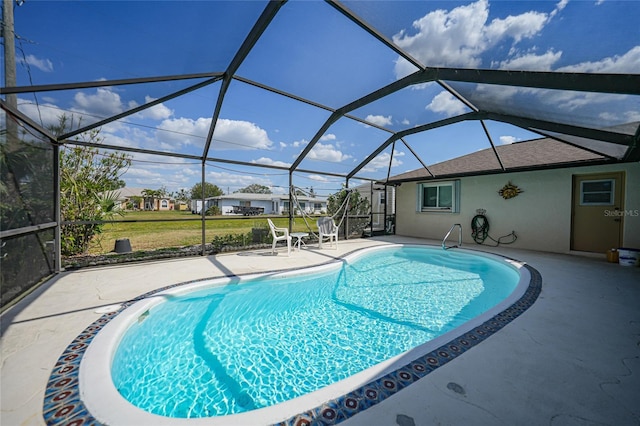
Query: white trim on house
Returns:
{"type": "Point", "coordinates": [277, 204]}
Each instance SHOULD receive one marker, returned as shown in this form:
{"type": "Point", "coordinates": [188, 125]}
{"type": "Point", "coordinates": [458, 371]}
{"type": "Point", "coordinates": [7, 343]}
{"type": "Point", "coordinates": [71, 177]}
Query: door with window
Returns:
{"type": "Point", "coordinates": [597, 213]}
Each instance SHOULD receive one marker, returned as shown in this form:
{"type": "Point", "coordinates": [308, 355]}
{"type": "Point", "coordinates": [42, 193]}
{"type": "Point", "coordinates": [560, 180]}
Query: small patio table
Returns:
{"type": "Point", "coordinates": [299, 236]}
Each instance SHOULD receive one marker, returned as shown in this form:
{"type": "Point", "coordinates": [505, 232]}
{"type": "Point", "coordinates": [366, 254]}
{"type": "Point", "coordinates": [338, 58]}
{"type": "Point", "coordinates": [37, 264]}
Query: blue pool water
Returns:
{"type": "Point", "coordinates": [255, 343]}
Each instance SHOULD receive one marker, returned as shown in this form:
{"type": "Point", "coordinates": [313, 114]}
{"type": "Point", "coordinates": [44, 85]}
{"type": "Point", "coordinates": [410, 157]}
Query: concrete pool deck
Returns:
{"type": "Point", "coordinates": [571, 358]}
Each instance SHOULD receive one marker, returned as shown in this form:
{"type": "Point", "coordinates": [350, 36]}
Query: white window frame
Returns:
{"type": "Point", "coordinates": [455, 197]}
{"type": "Point", "coordinates": [602, 203]}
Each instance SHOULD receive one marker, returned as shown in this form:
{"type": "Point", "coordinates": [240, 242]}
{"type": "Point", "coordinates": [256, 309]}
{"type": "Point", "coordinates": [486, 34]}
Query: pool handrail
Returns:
{"type": "Point", "coordinates": [444, 247]}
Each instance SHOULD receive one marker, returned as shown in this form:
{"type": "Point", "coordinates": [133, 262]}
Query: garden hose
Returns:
{"type": "Point", "coordinates": [480, 231]}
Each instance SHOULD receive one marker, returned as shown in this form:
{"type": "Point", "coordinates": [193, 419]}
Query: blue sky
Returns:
{"type": "Point", "coordinates": [312, 51]}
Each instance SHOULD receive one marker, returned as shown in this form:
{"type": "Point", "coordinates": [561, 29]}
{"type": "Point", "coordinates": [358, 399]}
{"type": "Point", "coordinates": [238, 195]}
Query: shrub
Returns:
{"type": "Point", "coordinates": [213, 211]}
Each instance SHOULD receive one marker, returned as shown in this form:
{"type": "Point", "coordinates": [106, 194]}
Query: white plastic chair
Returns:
{"type": "Point", "coordinates": [327, 229]}
{"type": "Point", "coordinates": [276, 237]}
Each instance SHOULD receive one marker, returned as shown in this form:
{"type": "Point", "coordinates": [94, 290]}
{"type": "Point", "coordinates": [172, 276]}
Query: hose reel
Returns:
{"type": "Point", "coordinates": [480, 230]}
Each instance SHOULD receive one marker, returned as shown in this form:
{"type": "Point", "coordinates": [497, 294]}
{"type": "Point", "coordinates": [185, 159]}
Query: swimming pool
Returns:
{"type": "Point", "coordinates": [397, 316]}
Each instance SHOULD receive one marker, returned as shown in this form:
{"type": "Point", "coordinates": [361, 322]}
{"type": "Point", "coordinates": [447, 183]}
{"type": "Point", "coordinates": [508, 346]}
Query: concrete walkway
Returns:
{"type": "Point", "coordinates": [572, 359]}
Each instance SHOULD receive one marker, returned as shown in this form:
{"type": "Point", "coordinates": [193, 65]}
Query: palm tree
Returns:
{"type": "Point", "coordinates": [150, 196]}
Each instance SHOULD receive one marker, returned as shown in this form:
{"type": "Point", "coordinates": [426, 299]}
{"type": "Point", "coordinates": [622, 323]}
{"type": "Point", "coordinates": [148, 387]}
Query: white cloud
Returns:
{"type": "Point", "coordinates": [406, 122]}
{"type": "Point", "coordinates": [156, 112]}
{"type": "Point", "coordinates": [627, 63]}
{"type": "Point", "coordinates": [531, 62]}
{"type": "Point", "coordinates": [559, 7]}
{"type": "Point", "coordinates": [47, 112]}
{"type": "Point", "coordinates": [519, 27]}
{"type": "Point", "coordinates": [283, 145]}
{"type": "Point", "coordinates": [318, 178]}
{"type": "Point", "coordinates": [445, 38]}
{"type": "Point", "coordinates": [145, 176]}
{"type": "Point", "coordinates": [379, 120]}
{"type": "Point", "coordinates": [564, 99]}
{"type": "Point", "coordinates": [328, 137]}
{"type": "Point", "coordinates": [229, 134]}
{"type": "Point", "coordinates": [458, 38]}
{"type": "Point", "coordinates": [630, 117]}
{"type": "Point", "coordinates": [141, 172]}
{"type": "Point", "coordinates": [297, 144]}
{"type": "Point", "coordinates": [184, 131]}
{"type": "Point", "coordinates": [44, 65]}
{"type": "Point", "coordinates": [239, 134]}
{"type": "Point", "coordinates": [505, 140]}
{"type": "Point", "coordinates": [327, 152]}
{"type": "Point", "coordinates": [103, 103]}
{"type": "Point", "coordinates": [270, 162]}
{"type": "Point", "coordinates": [445, 102]}
{"type": "Point", "coordinates": [234, 181]}
{"type": "Point", "coordinates": [382, 161]}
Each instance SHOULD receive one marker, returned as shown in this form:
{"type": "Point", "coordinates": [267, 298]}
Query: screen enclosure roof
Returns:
{"type": "Point", "coordinates": [355, 89]}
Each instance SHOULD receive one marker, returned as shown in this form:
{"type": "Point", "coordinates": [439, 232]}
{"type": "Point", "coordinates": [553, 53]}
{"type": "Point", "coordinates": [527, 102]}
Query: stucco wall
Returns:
{"type": "Point", "coordinates": [540, 215]}
{"type": "Point", "coordinates": [226, 205]}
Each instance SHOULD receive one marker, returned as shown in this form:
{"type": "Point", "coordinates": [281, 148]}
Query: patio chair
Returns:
{"type": "Point", "coordinates": [327, 229]}
{"type": "Point", "coordinates": [279, 234]}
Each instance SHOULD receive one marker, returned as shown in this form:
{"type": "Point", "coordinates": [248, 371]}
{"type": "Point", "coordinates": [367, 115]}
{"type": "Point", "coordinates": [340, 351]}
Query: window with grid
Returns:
{"type": "Point", "coordinates": [439, 197]}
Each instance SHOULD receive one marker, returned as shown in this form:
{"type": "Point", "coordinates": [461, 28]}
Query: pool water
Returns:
{"type": "Point", "coordinates": [242, 346]}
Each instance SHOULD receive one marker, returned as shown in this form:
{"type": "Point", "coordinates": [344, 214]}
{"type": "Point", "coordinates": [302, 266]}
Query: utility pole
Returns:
{"type": "Point", "coordinates": [9, 50]}
{"type": "Point", "coordinates": [9, 39]}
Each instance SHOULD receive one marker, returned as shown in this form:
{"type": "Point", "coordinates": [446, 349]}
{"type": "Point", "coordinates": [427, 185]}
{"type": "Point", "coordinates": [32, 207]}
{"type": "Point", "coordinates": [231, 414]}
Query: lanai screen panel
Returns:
{"type": "Point", "coordinates": [154, 172]}
{"type": "Point", "coordinates": [26, 164]}
{"type": "Point", "coordinates": [575, 36]}
{"type": "Point", "coordinates": [343, 146]}
{"type": "Point", "coordinates": [233, 177]}
{"type": "Point", "coordinates": [611, 150]}
{"type": "Point", "coordinates": [412, 106]}
{"type": "Point", "coordinates": [445, 143]}
{"type": "Point", "coordinates": [65, 42]}
{"type": "Point", "coordinates": [261, 127]}
{"type": "Point", "coordinates": [27, 207]}
{"type": "Point", "coordinates": [585, 109]}
{"type": "Point", "coordinates": [323, 185]}
{"type": "Point", "coordinates": [313, 51]}
{"type": "Point", "coordinates": [387, 163]}
{"type": "Point", "coordinates": [179, 125]}
{"type": "Point", "coordinates": [85, 108]}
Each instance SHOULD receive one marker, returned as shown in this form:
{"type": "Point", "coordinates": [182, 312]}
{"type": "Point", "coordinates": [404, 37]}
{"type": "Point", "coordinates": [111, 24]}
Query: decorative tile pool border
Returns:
{"type": "Point", "coordinates": [63, 406]}
{"type": "Point", "coordinates": [343, 407]}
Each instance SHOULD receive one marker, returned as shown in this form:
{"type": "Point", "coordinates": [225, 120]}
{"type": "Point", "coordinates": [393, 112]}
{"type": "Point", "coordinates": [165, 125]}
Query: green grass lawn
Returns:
{"type": "Point", "coordinates": [166, 232]}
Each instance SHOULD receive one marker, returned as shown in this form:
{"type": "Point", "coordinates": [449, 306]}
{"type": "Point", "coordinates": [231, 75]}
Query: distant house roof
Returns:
{"type": "Point", "coordinates": [526, 155]}
{"type": "Point", "coordinates": [127, 192]}
{"type": "Point", "coordinates": [249, 196]}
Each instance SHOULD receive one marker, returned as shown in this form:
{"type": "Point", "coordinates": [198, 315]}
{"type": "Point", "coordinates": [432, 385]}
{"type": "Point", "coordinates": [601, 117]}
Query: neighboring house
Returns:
{"type": "Point", "coordinates": [132, 199]}
{"type": "Point", "coordinates": [271, 203]}
{"type": "Point", "coordinates": [383, 204]}
{"type": "Point", "coordinates": [571, 199]}
{"type": "Point", "coordinates": [181, 206]}
{"type": "Point", "coordinates": [157, 204]}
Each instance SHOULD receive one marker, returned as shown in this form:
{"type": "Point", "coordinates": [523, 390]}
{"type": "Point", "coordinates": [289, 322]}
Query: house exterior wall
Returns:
{"type": "Point", "coordinates": [226, 205]}
{"type": "Point", "coordinates": [540, 215]}
{"type": "Point", "coordinates": [270, 205]}
{"type": "Point", "coordinates": [282, 206]}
